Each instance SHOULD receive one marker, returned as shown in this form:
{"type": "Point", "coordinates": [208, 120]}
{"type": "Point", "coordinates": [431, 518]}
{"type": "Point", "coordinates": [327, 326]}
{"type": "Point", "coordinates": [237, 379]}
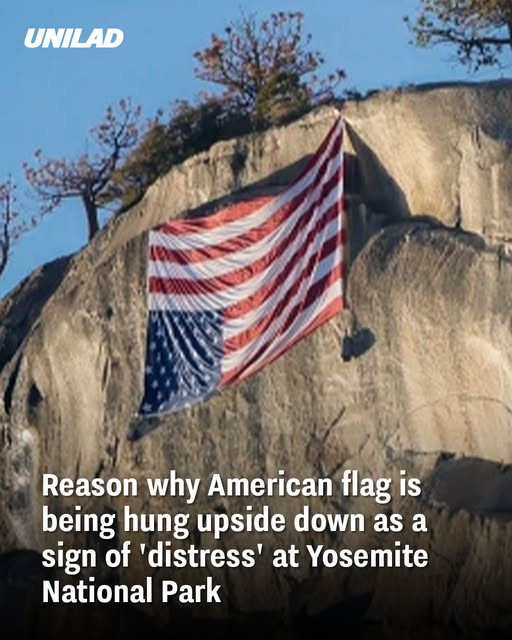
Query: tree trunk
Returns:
{"type": "Point", "coordinates": [3, 258]}
{"type": "Point", "coordinates": [92, 216]}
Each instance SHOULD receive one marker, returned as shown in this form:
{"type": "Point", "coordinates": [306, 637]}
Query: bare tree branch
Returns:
{"type": "Point", "coordinates": [479, 29]}
{"type": "Point", "coordinates": [12, 224]}
{"type": "Point", "coordinates": [90, 176]}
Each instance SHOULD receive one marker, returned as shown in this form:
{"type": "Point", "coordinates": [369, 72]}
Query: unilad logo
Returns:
{"type": "Point", "coordinates": [73, 38]}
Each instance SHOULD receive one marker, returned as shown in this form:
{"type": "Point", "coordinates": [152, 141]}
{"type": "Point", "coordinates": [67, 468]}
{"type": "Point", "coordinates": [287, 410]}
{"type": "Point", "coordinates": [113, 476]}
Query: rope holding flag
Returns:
{"type": "Point", "coordinates": [231, 292]}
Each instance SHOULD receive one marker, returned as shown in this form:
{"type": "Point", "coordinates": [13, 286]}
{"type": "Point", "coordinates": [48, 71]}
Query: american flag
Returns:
{"type": "Point", "coordinates": [230, 292]}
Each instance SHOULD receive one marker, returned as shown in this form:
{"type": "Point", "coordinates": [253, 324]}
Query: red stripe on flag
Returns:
{"type": "Point", "coordinates": [240, 242]}
{"type": "Point", "coordinates": [316, 291]}
{"type": "Point", "coordinates": [237, 243]}
{"type": "Point", "coordinates": [325, 143]}
{"type": "Point", "coordinates": [251, 333]}
{"type": "Point", "coordinates": [217, 219]}
{"type": "Point", "coordinates": [186, 286]}
{"type": "Point", "coordinates": [230, 377]}
{"type": "Point", "coordinates": [230, 214]}
{"type": "Point", "coordinates": [254, 301]}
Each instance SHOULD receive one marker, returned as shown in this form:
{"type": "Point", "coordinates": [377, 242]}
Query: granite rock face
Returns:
{"type": "Point", "coordinates": [428, 389]}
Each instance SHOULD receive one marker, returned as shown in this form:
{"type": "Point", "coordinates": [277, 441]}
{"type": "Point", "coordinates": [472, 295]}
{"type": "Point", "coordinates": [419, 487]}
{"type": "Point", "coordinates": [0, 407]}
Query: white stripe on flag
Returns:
{"type": "Point", "coordinates": [232, 229]}
{"type": "Point", "coordinates": [219, 266]}
{"type": "Point", "coordinates": [220, 299]}
{"type": "Point", "coordinates": [299, 325]}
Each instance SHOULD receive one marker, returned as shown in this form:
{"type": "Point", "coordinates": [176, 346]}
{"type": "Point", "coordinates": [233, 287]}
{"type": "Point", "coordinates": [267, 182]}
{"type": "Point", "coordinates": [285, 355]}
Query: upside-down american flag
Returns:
{"type": "Point", "coordinates": [230, 292]}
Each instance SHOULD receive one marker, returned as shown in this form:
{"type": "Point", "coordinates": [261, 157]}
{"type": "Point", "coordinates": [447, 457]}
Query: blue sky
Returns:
{"type": "Point", "coordinates": [51, 98]}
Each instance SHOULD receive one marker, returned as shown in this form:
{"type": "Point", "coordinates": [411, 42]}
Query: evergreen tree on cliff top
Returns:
{"type": "Point", "coordinates": [480, 30]}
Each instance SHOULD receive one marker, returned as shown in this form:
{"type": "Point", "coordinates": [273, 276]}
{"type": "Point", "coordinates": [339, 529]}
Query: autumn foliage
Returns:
{"type": "Point", "coordinates": [253, 56]}
{"type": "Point", "coordinates": [268, 75]}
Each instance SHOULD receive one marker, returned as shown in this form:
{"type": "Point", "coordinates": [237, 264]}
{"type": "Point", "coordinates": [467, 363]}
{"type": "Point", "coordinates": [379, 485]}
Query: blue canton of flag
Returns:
{"type": "Point", "coordinates": [184, 351]}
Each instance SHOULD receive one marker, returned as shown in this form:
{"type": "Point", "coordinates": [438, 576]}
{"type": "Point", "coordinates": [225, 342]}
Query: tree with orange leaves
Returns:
{"type": "Point", "coordinates": [252, 56]}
